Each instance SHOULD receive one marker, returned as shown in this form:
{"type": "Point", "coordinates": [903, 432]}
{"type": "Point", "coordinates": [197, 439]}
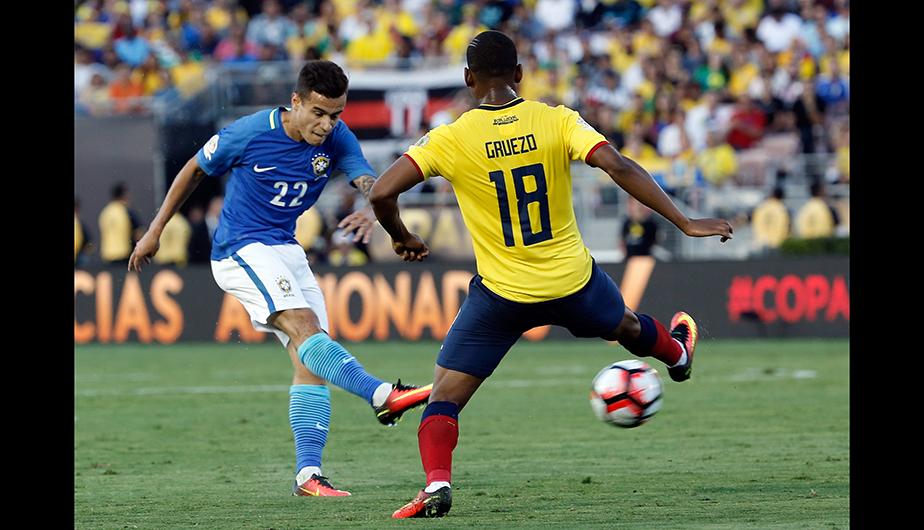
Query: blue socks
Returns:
{"type": "Point", "coordinates": [325, 358]}
{"type": "Point", "coordinates": [309, 416]}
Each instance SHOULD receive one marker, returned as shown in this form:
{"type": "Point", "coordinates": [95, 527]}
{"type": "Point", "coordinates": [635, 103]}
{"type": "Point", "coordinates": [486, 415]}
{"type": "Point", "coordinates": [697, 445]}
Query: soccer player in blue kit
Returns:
{"type": "Point", "coordinates": [280, 160]}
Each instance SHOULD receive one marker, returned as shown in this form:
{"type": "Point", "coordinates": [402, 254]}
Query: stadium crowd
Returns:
{"type": "Point", "coordinates": [703, 93]}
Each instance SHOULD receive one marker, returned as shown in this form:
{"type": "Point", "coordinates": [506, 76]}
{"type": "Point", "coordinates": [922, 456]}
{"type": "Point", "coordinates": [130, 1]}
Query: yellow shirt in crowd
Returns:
{"type": "Point", "coordinates": [174, 241]}
{"type": "Point", "coordinates": [815, 219]}
{"type": "Point", "coordinates": [115, 232]}
{"type": "Point", "coordinates": [770, 223]}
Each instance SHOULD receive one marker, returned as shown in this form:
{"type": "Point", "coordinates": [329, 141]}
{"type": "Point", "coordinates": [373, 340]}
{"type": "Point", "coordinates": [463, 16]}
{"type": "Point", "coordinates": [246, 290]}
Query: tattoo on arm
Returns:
{"type": "Point", "coordinates": [364, 185]}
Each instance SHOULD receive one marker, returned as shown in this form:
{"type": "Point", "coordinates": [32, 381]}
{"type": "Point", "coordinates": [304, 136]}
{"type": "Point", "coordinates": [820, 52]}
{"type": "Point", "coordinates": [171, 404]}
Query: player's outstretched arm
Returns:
{"type": "Point", "coordinates": [361, 221]}
{"type": "Point", "coordinates": [638, 183]}
{"type": "Point", "coordinates": [400, 177]}
{"type": "Point", "coordinates": [183, 185]}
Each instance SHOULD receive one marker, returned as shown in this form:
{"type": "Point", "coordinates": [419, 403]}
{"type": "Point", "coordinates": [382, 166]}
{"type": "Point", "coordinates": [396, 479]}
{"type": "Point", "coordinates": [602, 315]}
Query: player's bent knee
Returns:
{"type": "Point", "coordinates": [298, 324]}
{"type": "Point", "coordinates": [629, 328]}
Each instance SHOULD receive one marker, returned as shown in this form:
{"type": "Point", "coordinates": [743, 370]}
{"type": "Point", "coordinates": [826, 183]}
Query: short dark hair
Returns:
{"type": "Point", "coordinates": [491, 54]}
{"type": "Point", "coordinates": [119, 190]}
{"type": "Point", "coordinates": [324, 77]}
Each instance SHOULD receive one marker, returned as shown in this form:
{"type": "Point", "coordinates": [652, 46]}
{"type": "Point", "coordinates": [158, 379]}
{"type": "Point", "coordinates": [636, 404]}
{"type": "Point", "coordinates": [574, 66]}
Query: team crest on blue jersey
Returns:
{"type": "Point", "coordinates": [284, 285]}
{"type": "Point", "coordinates": [320, 163]}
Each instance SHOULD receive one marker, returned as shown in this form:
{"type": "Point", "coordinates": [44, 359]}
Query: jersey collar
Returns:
{"type": "Point", "coordinates": [485, 106]}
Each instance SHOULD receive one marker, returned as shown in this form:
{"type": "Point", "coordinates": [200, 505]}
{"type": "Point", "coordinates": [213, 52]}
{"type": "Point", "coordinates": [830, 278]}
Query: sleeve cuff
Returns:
{"type": "Point", "coordinates": [594, 148]}
{"type": "Point", "coordinates": [415, 165]}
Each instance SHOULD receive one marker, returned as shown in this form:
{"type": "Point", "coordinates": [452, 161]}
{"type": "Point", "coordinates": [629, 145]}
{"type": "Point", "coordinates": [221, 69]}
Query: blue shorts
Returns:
{"type": "Point", "coordinates": [488, 325]}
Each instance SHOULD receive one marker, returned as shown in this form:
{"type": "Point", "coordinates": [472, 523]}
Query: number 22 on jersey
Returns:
{"type": "Point", "coordinates": [284, 188]}
{"type": "Point", "coordinates": [540, 195]}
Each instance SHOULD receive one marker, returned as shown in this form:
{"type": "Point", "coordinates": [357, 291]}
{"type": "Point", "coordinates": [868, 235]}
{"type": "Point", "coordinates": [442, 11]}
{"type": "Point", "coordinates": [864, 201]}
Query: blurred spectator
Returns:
{"type": "Point", "coordinates": [747, 124]}
{"type": "Point", "coordinates": [741, 14]}
{"type": "Point", "coordinates": [778, 28]}
{"type": "Point", "coordinates": [611, 93]}
{"type": "Point", "coordinates": [816, 218]}
{"type": "Point", "coordinates": [712, 75]}
{"type": "Point", "coordinates": [701, 118]}
{"type": "Point", "coordinates": [354, 25]}
{"type": "Point", "coordinates": [235, 48]}
{"type": "Point", "coordinates": [770, 221]}
{"type": "Point", "coordinates": [212, 213]}
{"type": "Point", "coordinates": [838, 26]}
{"type": "Point", "coordinates": [311, 36]}
{"type": "Point", "coordinates": [814, 18]}
{"type": "Point", "coordinates": [197, 35]}
{"type": "Point", "coordinates": [717, 162]}
{"type": "Point", "coordinates": [833, 90]}
{"type": "Point", "coordinates": [132, 48]}
{"type": "Point", "coordinates": [634, 115]}
{"type": "Point", "coordinates": [395, 19]}
{"type": "Point", "coordinates": [152, 77]}
{"type": "Point", "coordinates": [188, 76]}
{"type": "Point", "coordinates": [743, 71]}
{"type": "Point", "coordinates": [94, 98]}
{"type": "Point", "coordinates": [666, 17]}
{"type": "Point", "coordinates": [270, 26]}
{"type": "Point", "coordinates": [344, 253]}
{"type": "Point", "coordinates": [89, 30]}
{"type": "Point", "coordinates": [174, 242]}
{"type": "Point", "coordinates": [85, 68]}
{"type": "Point", "coordinates": [639, 231]}
{"type": "Point", "coordinates": [124, 91]}
{"type": "Point", "coordinates": [221, 14]}
{"type": "Point", "coordinates": [309, 228]}
{"type": "Point", "coordinates": [200, 244]}
{"type": "Point", "coordinates": [672, 140]}
{"type": "Point", "coordinates": [375, 46]}
{"type": "Point", "coordinates": [457, 40]}
{"type": "Point", "coordinates": [83, 244]}
{"type": "Point", "coordinates": [119, 227]}
{"type": "Point", "coordinates": [839, 169]}
{"type": "Point", "coordinates": [555, 15]}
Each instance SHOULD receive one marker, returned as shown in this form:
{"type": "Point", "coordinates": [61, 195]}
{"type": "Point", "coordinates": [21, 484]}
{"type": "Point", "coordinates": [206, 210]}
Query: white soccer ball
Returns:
{"type": "Point", "coordinates": [626, 393]}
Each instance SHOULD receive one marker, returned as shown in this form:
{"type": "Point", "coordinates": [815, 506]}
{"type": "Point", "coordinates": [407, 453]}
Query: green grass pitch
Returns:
{"type": "Point", "coordinates": [198, 436]}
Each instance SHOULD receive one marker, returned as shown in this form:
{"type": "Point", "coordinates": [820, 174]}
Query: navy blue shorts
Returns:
{"type": "Point", "coordinates": [488, 325]}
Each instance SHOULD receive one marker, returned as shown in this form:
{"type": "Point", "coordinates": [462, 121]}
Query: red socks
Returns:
{"type": "Point", "coordinates": [437, 437]}
{"type": "Point", "coordinates": [654, 341]}
{"type": "Point", "coordinates": [666, 349]}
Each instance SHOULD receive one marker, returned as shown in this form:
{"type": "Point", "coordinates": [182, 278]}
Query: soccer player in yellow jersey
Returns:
{"type": "Point", "coordinates": [509, 163]}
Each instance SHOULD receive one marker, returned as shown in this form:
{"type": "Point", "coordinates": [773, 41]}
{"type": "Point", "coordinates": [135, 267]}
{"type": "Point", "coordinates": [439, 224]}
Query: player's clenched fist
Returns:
{"type": "Point", "coordinates": [411, 249]}
{"type": "Point", "coordinates": [709, 227]}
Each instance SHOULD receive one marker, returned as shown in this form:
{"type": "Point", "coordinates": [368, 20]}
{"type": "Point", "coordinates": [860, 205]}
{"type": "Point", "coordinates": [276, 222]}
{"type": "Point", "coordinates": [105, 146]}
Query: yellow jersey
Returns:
{"type": "Point", "coordinates": [115, 232]}
{"type": "Point", "coordinates": [510, 167]}
{"type": "Point", "coordinates": [770, 223]}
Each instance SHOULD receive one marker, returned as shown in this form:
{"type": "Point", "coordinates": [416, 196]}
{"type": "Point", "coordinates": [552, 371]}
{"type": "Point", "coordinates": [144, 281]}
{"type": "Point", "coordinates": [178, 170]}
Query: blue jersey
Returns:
{"type": "Point", "coordinates": [274, 179]}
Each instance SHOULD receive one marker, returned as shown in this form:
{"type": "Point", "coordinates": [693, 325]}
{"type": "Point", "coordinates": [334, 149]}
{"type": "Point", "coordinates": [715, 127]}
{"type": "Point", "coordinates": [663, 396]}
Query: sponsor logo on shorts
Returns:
{"type": "Point", "coordinates": [283, 283]}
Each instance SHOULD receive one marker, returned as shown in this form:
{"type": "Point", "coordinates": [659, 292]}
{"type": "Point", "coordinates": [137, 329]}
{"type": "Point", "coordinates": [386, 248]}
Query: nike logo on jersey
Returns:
{"type": "Point", "coordinates": [262, 169]}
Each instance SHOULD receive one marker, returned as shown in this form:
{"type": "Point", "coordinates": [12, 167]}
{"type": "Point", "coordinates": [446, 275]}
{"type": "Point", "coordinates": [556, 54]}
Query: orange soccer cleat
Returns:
{"type": "Point", "coordinates": [401, 399]}
{"type": "Point", "coordinates": [436, 504]}
{"type": "Point", "coordinates": [683, 328]}
{"type": "Point", "coordinates": [318, 486]}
